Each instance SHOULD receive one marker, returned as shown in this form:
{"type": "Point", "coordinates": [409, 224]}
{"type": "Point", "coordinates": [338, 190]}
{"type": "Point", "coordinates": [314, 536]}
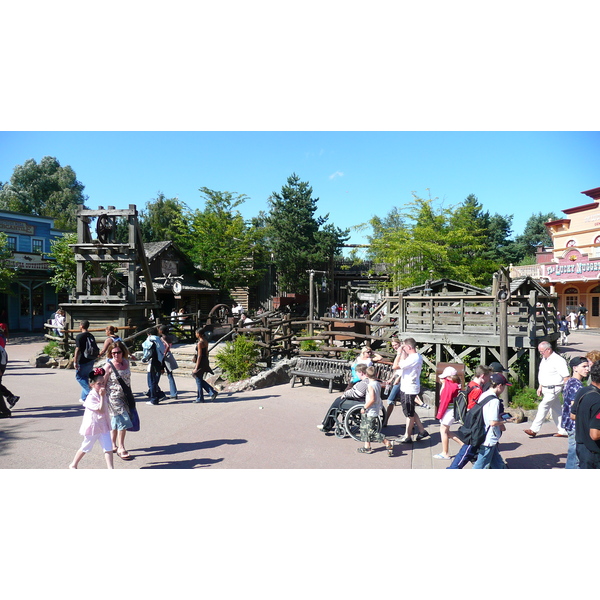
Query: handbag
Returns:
{"type": "Point", "coordinates": [130, 401]}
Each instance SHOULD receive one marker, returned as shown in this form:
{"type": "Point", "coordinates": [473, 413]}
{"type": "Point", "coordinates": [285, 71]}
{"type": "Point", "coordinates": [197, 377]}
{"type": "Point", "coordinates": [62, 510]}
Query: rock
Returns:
{"type": "Point", "coordinates": [518, 415]}
{"type": "Point", "coordinates": [40, 361]}
{"type": "Point", "coordinates": [275, 376]}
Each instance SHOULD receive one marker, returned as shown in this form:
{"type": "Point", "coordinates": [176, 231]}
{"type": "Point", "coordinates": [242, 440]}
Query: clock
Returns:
{"type": "Point", "coordinates": [177, 287]}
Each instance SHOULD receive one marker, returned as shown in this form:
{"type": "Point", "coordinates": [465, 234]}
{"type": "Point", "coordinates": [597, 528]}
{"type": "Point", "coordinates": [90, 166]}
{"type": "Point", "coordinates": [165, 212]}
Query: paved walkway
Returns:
{"type": "Point", "coordinates": [274, 428]}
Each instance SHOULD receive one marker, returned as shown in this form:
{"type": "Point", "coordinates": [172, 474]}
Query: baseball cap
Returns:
{"type": "Point", "coordinates": [577, 360]}
{"type": "Point", "coordinates": [497, 367]}
{"type": "Point", "coordinates": [499, 379]}
{"type": "Point", "coordinates": [448, 372]}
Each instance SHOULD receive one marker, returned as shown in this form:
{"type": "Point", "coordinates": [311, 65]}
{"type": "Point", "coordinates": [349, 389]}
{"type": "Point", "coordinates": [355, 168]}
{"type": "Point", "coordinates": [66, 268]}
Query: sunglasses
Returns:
{"type": "Point", "coordinates": [116, 352]}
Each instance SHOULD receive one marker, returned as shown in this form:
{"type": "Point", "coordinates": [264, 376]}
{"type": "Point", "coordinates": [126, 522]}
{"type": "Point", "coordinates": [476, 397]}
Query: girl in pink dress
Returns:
{"type": "Point", "coordinates": [96, 421]}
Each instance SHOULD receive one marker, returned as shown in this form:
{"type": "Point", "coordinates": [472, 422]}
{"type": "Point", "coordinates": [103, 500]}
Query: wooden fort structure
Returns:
{"type": "Point", "coordinates": [117, 296]}
{"type": "Point", "coordinates": [453, 321]}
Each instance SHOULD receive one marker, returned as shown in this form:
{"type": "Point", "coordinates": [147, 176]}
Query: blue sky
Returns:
{"type": "Point", "coordinates": [355, 175]}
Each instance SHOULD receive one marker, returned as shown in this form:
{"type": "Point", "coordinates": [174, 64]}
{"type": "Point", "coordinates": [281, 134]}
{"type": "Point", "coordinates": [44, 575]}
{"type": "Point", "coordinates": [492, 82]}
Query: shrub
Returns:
{"type": "Point", "coordinates": [238, 359]}
{"type": "Point", "coordinates": [348, 355]}
{"type": "Point", "coordinates": [309, 345]}
{"type": "Point", "coordinates": [525, 398]}
{"type": "Point", "coordinates": [53, 349]}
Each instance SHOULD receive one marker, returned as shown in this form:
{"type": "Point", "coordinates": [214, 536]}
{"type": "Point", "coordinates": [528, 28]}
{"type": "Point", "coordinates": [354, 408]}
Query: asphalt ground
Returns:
{"type": "Point", "coordinates": [272, 428]}
{"type": "Point", "coordinates": [280, 505]}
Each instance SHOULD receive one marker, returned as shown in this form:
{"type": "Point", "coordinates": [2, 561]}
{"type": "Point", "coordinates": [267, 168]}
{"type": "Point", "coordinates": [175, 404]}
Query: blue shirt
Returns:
{"type": "Point", "coordinates": [572, 386]}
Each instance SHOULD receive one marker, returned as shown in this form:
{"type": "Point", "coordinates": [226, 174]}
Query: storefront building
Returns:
{"type": "Point", "coordinates": [571, 268]}
{"type": "Point", "coordinates": [31, 300]}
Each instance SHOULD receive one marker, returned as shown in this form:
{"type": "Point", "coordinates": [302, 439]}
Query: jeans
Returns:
{"type": "Point", "coordinates": [172, 385]}
{"type": "Point", "coordinates": [153, 389]}
{"type": "Point", "coordinates": [572, 460]}
{"type": "Point", "coordinates": [202, 385]}
{"type": "Point", "coordinates": [82, 374]}
{"type": "Point", "coordinates": [393, 393]}
{"type": "Point", "coordinates": [587, 459]}
{"type": "Point", "coordinates": [489, 458]}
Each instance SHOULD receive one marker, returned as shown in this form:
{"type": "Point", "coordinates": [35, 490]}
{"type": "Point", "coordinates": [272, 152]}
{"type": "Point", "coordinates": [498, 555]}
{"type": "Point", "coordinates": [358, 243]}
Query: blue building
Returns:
{"type": "Point", "coordinates": [31, 300]}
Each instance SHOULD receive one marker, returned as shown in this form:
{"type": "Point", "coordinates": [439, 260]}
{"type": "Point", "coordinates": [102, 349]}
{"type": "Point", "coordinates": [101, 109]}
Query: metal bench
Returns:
{"type": "Point", "coordinates": [321, 368]}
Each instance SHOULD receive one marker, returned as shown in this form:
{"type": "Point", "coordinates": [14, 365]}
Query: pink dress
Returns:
{"type": "Point", "coordinates": [95, 421]}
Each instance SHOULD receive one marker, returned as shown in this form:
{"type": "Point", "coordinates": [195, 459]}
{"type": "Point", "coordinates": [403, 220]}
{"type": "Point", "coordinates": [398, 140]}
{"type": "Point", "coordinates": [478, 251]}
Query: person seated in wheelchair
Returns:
{"type": "Point", "coordinates": [355, 395]}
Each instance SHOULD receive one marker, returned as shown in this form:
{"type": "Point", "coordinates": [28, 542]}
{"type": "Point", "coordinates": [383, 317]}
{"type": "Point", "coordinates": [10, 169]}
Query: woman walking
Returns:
{"type": "Point", "coordinates": [202, 367]}
{"type": "Point", "coordinates": [120, 420]}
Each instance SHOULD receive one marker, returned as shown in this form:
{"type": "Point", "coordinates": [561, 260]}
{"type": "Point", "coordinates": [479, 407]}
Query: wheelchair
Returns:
{"type": "Point", "coordinates": [347, 419]}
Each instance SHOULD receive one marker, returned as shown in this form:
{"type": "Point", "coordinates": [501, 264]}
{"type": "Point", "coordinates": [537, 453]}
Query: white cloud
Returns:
{"type": "Point", "coordinates": [336, 174]}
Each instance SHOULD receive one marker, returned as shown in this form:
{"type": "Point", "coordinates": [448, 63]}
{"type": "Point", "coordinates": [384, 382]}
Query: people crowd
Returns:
{"type": "Point", "coordinates": [566, 397]}
{"type": "Point", "coordinates": [562, 390]}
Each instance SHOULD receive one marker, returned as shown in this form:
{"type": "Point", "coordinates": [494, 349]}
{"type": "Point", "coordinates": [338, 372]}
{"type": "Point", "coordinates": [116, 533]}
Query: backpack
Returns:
{"type": "Point", "coordinates": [473, 431]}
{"type": "Point", "coordinates": [461, 400]}
{"type": "Point", "coordinates": [3, 357]}
{"type": "Point", "coordinates": [91, 348]}
{"type": "Point", "coordinates": [461, 403]}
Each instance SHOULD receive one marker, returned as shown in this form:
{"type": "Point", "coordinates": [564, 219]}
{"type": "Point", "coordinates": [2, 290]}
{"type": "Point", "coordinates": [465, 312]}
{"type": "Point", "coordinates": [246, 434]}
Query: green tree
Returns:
{"type": "Point", "coordinates": [63, 264]}
{"type": "Point", "coordinates": [534, 235]}
{"type": "Point", "coordinates": [163, 220]}
{"type": "Point", "coordinates": [44, 189]}
{"type": "Point", "coordinates": [299, 240]}
{"type": "Point", "coordinates": [219, 240]}
{"type": "Point", "coordinates": [433, 242]}
{"type": "Point", "coordinates": [7, 273]}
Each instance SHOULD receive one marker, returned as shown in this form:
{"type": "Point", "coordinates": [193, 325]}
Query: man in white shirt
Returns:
{"type": "Point", "coordinates": [552, 376]}
{"type": "Point", "coordinates": [409, 364]}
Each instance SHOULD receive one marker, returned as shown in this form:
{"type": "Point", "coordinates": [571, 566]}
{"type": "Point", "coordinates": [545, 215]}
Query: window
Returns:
{"type": "Point", "coordinates": [571, 299]}
{"type": "Point", "coordinates": [37, 245]}
{"type": "Point", "coordinates": [12, 242]}
{"type": "Point", "coordinates": [571, 244]}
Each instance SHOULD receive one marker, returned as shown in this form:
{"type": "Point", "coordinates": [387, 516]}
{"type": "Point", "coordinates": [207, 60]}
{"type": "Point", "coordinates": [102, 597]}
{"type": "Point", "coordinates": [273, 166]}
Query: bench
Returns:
{"type": "Point", "coordinates": [321, 368]}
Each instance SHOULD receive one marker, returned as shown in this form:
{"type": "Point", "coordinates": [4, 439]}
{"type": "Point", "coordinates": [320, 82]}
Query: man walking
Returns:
{"type": "Point", "coordinates": [552, 376]}
{"type": "Point", "coordinates": [409, 365]}
{"type": "Point", "coordinates": [586, 412]}
{"type": "Point", "coordinates": [488, 456]}
{"type": "Point", "coordinates": [581, 312]}
{"type": "Point", "coordinates": [83, 365]}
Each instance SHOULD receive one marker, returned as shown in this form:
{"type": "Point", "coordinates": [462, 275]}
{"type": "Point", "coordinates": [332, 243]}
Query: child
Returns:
{"type": "Point", "coordinates": [564, 330]}
{"type": "Point", "coordinates": [369, 414]}
{"type": "Point", "coordinates": [449, 390]}
{"type": "Point", "coordinates": [96, 421]}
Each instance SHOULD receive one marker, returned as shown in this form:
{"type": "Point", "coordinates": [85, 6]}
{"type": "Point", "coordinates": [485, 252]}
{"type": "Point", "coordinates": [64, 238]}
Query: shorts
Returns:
{"type": "Point", "coordinates": [448, 418]}
{"type": "Point", "coordinates": [408, 404]}
{"type": "Point", "coordinates": [104, 439]}
{"type": "Point", "coordinates": [120, 422]}
{"type": "Point", "coordinates": [368, 430]}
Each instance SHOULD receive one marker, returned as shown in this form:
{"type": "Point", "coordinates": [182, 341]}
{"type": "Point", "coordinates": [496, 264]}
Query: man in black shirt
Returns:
{"type": "Point", "coordinates": [83, 366]}
{"type": "Point", "coordinates": [586, 413]}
